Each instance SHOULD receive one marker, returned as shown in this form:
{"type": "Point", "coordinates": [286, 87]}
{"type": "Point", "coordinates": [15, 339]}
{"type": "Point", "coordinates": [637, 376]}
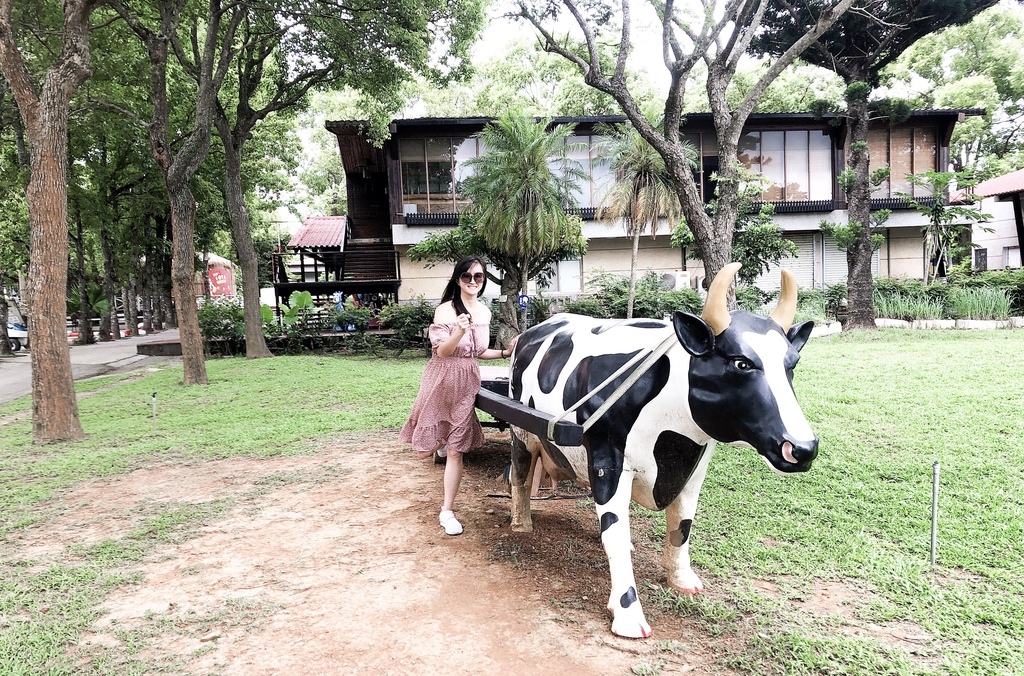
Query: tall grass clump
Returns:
{"type": "Point", "coordinates": [907, 307]}
{"type": "Point", "coordinates": [979, 303]}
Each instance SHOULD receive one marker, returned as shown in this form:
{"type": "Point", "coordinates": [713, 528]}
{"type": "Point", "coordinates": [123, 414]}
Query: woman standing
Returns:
{"type": "Point", "coordinates": [443, 420]}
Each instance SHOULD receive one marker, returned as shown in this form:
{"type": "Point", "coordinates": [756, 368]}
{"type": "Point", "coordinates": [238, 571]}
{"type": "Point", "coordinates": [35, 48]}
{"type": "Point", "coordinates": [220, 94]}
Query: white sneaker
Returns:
{"type": "Point", "coordinates": [449, 522]}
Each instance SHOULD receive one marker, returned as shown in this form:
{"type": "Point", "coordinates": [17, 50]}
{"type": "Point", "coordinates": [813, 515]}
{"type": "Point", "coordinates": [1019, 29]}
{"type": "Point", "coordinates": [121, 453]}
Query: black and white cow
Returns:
{"type": "Point", "coordinates": [727, 377]}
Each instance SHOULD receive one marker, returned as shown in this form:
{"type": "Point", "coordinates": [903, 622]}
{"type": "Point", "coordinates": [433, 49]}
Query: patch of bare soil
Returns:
{"type": "Point", "coordinates": [334, 563]}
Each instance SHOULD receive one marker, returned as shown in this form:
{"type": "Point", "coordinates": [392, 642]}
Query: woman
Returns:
{"type": "Point", "coordinates": [443, 421]}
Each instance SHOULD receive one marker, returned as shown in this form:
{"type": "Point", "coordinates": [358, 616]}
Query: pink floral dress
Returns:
{"type": "Point", "coordinates": [444, 412]}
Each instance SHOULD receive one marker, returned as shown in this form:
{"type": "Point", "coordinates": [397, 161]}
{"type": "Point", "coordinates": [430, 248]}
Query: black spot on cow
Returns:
{"type": "Point", "coordinates": [553, 361]}
{"type": "Point", "coordinates": [607, 520]}
{"type": "Point", "coordinates": [676, 456]}
{"type": "Point", "coordinates": [646, 324]}
{"type": "Point", "coordinates": [629, 598]}
{"type": "Point", "coordinates": [606, 439]}
{"type": "Point", "coordinates": [601, 328]}
{"type": "Point", "coordinates": [679, 536]}
{"type": "Point", "coordinates": [526, 349]}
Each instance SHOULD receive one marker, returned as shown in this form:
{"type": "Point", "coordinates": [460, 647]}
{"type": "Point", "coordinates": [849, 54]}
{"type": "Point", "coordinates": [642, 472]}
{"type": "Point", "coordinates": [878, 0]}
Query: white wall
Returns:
{"type": "Point", "coordinates": [1002, 245]}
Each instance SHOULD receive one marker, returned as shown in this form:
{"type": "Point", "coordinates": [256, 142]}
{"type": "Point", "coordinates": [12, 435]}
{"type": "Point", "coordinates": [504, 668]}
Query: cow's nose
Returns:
{"type": "Point", "coordinates": [805, 451]}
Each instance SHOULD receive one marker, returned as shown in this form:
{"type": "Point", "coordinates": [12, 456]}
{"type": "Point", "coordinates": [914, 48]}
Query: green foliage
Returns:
{"type": "Point", "coordinates": [907, 307]}
{"type": "Point", "coordinates": [979, 303]}
{"type": "Point", "coordinates": [857, 92]}
{"type": "Point", "coordinates": [946, 222]}
{"type": "Point", "coordinates": [222, 318]}
{"type": "Point", "coordinates": [846, 234]}
{"type": "Point", "coordinates": [751, 298]}
{"type": "Point", "coordinates": [1010, 280]}
{"type": "Point", "coordinates": [653, 299]}
{"type": "Point", "coordinates": [409, 321]}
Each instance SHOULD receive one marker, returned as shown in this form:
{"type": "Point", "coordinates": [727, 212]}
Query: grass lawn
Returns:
{"type": "Point", "coordinates": [886, 406]}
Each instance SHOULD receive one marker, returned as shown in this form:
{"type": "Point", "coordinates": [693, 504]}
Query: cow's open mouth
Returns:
{"type": "Point", "coordinates": [787, 453]}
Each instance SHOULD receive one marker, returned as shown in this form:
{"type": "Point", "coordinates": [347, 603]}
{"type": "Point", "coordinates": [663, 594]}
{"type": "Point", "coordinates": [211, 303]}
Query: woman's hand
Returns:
{"type": "Point", "coordinates": [463, 322]}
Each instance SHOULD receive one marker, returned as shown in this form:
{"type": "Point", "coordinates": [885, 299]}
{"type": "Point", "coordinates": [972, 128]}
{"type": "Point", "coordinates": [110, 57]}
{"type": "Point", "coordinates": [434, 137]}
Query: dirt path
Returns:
{"type": "Point", "coordinates": [334, 563]}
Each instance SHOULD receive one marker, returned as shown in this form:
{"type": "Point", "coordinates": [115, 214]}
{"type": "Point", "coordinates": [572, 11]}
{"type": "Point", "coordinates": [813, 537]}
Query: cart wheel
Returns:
{"type": "Point", "coordinates": [15, 344]}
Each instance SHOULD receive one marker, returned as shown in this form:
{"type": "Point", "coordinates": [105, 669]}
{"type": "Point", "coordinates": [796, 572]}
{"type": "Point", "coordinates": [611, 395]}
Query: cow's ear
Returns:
{"type": "Point", "coordinates": [694, 333]}
{"type": "Point", "coordinates": [799, 334]}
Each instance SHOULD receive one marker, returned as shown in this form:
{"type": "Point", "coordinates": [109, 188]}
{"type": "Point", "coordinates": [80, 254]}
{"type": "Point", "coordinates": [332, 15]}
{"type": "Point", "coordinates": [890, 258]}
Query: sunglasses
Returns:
{"type": "Point", "coordinates": [469, 277]}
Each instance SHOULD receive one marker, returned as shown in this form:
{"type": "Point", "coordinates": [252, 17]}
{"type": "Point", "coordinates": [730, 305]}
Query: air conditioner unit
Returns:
{"type": "Point", "coordinates": [676, 280]}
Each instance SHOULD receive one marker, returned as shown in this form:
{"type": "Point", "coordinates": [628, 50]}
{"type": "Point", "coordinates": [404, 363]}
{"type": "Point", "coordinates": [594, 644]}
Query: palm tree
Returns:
{"type": "Point", "coordinates": [519, 192]}
{"type": "Point", "coordinates": [642, 193]}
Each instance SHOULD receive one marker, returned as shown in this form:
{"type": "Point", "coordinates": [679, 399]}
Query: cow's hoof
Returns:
{"type": "Point", "coordinates": [687, 583]}
{"type": "Point", "coordinates": [630, 628]}
{"type": "Point", "coordinates": [522, 527]}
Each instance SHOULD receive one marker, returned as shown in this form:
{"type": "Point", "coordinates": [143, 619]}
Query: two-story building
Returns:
{"type": "Point", "coordinates": [399, 193]}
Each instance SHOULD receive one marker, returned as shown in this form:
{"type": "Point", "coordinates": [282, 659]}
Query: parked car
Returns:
{"type": "Point", "coordinates": [18, 335]}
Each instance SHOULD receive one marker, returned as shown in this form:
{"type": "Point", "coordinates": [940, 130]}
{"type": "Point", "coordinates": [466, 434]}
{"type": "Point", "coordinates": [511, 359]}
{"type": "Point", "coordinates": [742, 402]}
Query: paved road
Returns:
{"type": "Point", "coordinates": [87, 361]}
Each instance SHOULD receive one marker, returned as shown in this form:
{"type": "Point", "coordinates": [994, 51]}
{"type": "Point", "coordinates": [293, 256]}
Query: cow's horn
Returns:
{"type": "Point", "coordinates": [785, 309]}
{"type": "Point", "coordinates": [716, 309]}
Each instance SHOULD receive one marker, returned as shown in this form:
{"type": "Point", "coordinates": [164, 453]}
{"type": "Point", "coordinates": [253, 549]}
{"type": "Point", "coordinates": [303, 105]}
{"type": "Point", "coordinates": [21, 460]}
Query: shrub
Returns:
{"type": "Point", "coordinates": [222, 318]}
{"type": "Point", "coordinates": [811, 305]}
{"type": "Point", "coordinates": [1010, 280]}
{"type": "Point", "coordinates": [652, 298]}
{"type": "Point", "coordinates": [408, 321]}
{"type": "Point", "coordinates": [907, 307]}
{"type": "Point", "coordinates": [979, 303]}
{"type": "Point", "coordinates": [590, 306]}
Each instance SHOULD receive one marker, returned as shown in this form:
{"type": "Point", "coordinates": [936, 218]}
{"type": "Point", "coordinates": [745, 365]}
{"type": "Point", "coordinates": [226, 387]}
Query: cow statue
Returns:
{"type": "Point", "coordinates": [720, 377]}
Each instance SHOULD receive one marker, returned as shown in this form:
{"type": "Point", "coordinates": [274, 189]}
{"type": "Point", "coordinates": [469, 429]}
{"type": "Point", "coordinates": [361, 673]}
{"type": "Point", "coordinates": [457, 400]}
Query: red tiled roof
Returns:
{"type": "Point", "coordinates": [320, 231]}
{"type": "Point", "coordinates": [1001, 185]}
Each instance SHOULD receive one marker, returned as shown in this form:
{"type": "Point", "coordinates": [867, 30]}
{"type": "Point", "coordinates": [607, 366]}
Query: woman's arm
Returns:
{"type": "Point", "coordinates": [445, 314]}
{"type": "Point", "coordinates": [500, 354]}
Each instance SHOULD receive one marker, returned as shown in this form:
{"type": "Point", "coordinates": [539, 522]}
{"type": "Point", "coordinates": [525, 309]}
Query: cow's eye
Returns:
{"type": "Point", "coordinates": [742, 364]}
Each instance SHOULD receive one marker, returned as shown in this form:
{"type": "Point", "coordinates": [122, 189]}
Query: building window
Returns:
{"type": "Point", "coordinates": [797, 163]}
{"type": "Point", "coordinates": [433, 172]}
{"type": "Point", "coordinates": [905, 150]}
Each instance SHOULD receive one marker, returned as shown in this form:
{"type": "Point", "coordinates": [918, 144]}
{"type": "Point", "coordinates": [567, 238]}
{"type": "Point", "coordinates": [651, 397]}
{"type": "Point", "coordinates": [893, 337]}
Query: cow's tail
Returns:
{"type": "Point", "coordinates": [506, 476]}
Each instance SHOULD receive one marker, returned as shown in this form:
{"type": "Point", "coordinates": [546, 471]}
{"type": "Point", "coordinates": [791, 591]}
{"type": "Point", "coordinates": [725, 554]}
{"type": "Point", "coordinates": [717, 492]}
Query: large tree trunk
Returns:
{"type": "Point", "coordinates": [183, 273]}
{"type": "Point", "coordinates": [241, 231]}
{"type": "Point", "coordinates": [632, 272]}
{"type": "Point", "coordinates": [45, 113]}
{"type": "Point", "coordinates": [508, 320]}
{"type": "Point", "coordinates": [859, 289]}
{"type": "Point", "coordinates": [54, 406]}
{"type": "Point", "coordinates": [5, 344]}
{"type": "Point", "coordinates": [109, 287]}
{"type": "Point", "coordinates": [85, 336]}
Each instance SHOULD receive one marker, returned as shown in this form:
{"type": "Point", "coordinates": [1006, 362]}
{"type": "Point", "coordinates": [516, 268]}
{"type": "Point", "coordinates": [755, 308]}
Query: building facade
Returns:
{"type": "Point", "coordinates": [411, 186]}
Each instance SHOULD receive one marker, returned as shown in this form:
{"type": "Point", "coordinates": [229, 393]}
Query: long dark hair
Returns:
{"type": "Point", "coordinates": [453, 293]}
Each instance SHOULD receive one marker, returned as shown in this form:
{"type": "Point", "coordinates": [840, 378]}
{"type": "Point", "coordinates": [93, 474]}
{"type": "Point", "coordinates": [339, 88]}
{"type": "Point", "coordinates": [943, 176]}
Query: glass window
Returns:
{"type": "Point", "coordinates": [797, 186]}
{"type": "Point", "coordinates": [901, 145]}
{"type": "Point", "coordinates": [819, 158]}
{"type": "Point", "coordinates": [414, 175]}
{"type": "Point", "coordinates": [578, 149]}
{"type": "Point", "coordinates": [439, 175]}
{"type": "Point", "coordinates": [749, 150]}
{"type": "Point", "coordinates": [773, 163]}
{"type": "Point", "coordinates": [433, 171]}
{"type": "Point", "coordinates": [924, 154]}
{"type": "Point", "coordinates": [464, 149]}
{"type": "Point", "coordinates": [601, 179]}
{"type": "Point", "coordinates": [878, 156]}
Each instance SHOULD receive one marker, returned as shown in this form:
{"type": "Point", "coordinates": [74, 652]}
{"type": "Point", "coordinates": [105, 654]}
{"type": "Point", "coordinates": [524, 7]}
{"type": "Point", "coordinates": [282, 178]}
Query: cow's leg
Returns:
{"type": "Point", "coordinates": [678, 519]}
{"type": "Point", "coordinates": [623, 603]}
{"type": "Point", "coordinates": [521, 478]}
